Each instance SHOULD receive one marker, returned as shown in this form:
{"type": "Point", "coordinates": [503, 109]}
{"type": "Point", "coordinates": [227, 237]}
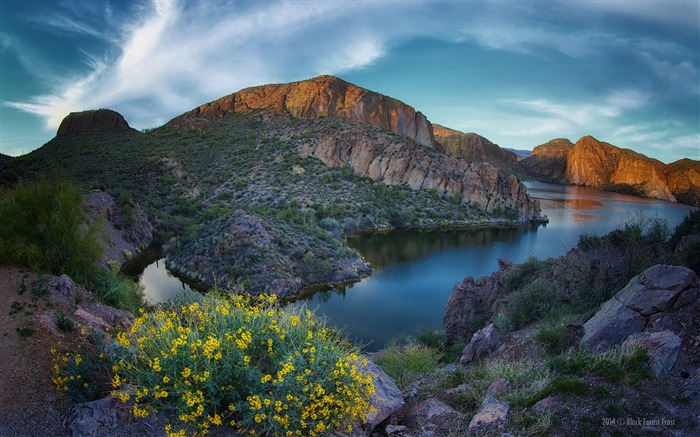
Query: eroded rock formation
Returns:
{"type": "Point", "coordinates": [396, 161]}
{"type": "Point", "coordinates": [597, 164]}
{"type": "Point", "coordinates": [99, 120]}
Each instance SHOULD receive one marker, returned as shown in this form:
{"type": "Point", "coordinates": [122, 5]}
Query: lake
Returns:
{"type": "Point", "coordinates": [415, 271]}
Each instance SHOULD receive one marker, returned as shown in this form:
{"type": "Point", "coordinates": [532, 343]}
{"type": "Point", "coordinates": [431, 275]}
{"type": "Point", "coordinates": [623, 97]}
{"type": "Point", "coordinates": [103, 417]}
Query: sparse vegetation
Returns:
{"type": "Point", "coordinates": [406, 363]}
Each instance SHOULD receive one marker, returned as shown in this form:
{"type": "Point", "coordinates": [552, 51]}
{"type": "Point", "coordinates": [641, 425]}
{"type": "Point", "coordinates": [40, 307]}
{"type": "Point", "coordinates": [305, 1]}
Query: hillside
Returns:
{"type": "Point", "coordinates": [601, 165]}
{"type": "Point", "coordinates": [473, 147]}
{"type": "Point", "coordinates": [255, 191]}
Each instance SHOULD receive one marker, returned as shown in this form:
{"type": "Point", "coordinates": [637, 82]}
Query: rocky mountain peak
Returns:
{"type": "Point", "coordinates": [90, 121]}
{"type": "Point", "coordinates": [322, 96]}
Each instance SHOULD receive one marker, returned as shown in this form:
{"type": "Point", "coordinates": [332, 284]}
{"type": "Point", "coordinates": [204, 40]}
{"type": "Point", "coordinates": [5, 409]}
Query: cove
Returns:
{"type": "Point", "coordinates": [415, 271]}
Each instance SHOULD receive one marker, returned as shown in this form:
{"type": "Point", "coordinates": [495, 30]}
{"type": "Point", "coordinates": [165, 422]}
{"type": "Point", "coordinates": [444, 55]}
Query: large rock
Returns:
{"type": "Point", "coordinates": [651, 301]}
{"type": "Point", "coordinates": [431, 418]}
{"type": "Point", "coordinates": [483, 342]}
{"type": "Point", "coordinates": [386, 399]}
{"type": "Point", "coordinates": [96, 418]}
{"type": "Point", "coordinates": [124, 227]}
{"type": "Point", "coordinates": [663, 348]}
{"type": "Point", "coordinates": [100, 120]}
{"type": "Point", "coordinates": [491, 417]}
{"type": "Point", "coordinates": [472, 302]}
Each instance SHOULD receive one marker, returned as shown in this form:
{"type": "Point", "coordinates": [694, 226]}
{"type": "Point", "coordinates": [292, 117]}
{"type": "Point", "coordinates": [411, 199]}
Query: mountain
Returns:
{"type": "Point", "coordinates": [255, 191]}
{"type": "Point", "coordinates": [601, 165]}
{"type": "Point", "coordinates": [472, 147]}
{"type": "Point", "coordinates": [323, 96]}
{"type": "Point", "coordinates": [520, 153]}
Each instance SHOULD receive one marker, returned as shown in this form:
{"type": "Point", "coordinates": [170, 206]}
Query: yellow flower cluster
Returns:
{"type": "Point", "coordinates": [241, 360]}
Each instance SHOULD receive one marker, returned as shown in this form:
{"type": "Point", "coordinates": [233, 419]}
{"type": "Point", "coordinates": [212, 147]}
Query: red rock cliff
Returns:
{"type": "Point", "coordinates": [323, 96]}
{"type": "Point", "coordinates": [597, 164]}
{"type": "Point", "coordinates": [472, 147]}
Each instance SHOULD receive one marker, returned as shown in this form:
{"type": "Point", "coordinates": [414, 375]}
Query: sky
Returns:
{"type": "Point", "coordinates": [517, 72]}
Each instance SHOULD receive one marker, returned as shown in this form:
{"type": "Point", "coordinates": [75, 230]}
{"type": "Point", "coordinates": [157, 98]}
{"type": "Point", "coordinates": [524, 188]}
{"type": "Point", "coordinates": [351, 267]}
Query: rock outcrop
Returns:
{"type": "Point", "coordinates": [396, 161]}
{"type": "Point", "coordinates": [123, 227]}
{"type": "Point", "coordinates": [472, 147]}
{"type": "Point", "coordinates": [323, 96]}
{"type": "Point", "coordinates": [483, 343]}
{"type": "Point", "coordinates": [386, 399]}
{"type": "Point", "coordinates": [597, 164]}
{"type": "Point", "coordinates": [657, 311]}
{"type": "Point", "coordinates": [473, 301]}
{"type": "Point", "coordinates": [276, 260]}
{"type": "Point", "coordinates": [99, 120]}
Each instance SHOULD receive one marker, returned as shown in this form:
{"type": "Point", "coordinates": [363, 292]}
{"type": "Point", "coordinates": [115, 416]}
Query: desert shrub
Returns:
{"type": "Point", "coordinates": [447, 351]}
{"type": "Point", "coordinates": [114, 289]}
{"type": "Point", "coordinates": [43, 228]}
{"type": "Point", "coordinates": [688, 226]}
{"type": "Point", "coordinates": [587, 241]}
{"type": "Point", "coordinates": [406, 363]}
{"type": "Point", "coordinates": [522, 274]}
{"type": "Point", "coordinates": [503, 322]}
{"type": "Point", "coordinates": [243, 361]}
{"type": "Point", "coordinates": [533, 302]}
{"type": "Point", "coordinates": [554, 336]}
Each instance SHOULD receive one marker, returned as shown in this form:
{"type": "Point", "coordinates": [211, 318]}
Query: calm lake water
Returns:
{"type": "Point", "coordinates": [415, 271]}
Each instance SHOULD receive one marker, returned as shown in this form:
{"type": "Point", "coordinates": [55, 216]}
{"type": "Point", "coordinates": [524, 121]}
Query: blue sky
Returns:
{"type": "Point", "coordinates": [519, 73]}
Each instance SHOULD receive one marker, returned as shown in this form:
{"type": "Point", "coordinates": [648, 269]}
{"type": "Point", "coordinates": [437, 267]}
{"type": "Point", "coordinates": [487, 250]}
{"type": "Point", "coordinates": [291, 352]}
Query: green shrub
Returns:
{"type": "Point", "coordinates": [554, 336]}
{"type": "Point", "coordinates": [243, 361]}
{"type": "Point", "coordinates": [406, 363]}
{"type": "Point", "coordinates": [503, 322]}
{"type": "Point", "coordinates": [42, 227]}
{"type": "Point", "coordinates": [521, 275]}
{"type": "Point", "coordinates": [533, 302]}
{"type": "Point", "coordinates": [588, 241]}
{"type": "Point", "coordinates": [114, 289]}
{"type": "Point", "coordinates": [688, 226]}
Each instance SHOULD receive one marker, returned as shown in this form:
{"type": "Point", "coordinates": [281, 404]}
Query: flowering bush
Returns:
{"type": "Point", "coordinates": [243, 361]}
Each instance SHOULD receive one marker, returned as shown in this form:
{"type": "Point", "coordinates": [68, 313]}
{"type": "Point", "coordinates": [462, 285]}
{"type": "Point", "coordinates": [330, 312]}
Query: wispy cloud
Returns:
{"type": "Point", "coordinates": [160, 58]}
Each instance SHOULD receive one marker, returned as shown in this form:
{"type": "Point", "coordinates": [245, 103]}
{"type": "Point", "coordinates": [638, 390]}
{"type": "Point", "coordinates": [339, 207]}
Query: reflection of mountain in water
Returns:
{"type": "Point", "coordinates": [399, 246]}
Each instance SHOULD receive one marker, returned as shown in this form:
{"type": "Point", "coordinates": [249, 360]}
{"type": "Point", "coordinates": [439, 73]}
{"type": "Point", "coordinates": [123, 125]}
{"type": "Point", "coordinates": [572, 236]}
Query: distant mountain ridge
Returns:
{"type": "Point", "coordinates": [601, 165]}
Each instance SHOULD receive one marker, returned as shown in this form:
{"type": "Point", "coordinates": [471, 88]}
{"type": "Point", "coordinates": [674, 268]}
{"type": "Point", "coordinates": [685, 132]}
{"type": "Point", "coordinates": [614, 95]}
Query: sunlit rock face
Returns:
{"type": "Point", "coordinates": [597, 164]}
{"type": "Point", "coordinates": [323, 96]}
{"type": "Point", "coordinates": [99, 120]}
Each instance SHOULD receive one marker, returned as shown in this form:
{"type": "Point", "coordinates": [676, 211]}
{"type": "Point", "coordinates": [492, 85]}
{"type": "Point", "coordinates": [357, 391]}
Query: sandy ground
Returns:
{"type": "Point", "coordinates": [29, 404]}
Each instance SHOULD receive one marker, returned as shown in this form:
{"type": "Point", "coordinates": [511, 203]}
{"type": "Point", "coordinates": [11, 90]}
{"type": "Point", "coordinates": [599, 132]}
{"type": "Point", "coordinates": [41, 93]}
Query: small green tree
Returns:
{"type": "Point", "coordinates": [43, 228]}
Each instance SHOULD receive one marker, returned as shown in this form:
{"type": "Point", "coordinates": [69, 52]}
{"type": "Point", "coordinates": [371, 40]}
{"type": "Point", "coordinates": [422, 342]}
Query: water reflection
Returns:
{"type": "Point", "coordinates": [415, 271]}
{"type": "Point", "coordinates": [398, 246]}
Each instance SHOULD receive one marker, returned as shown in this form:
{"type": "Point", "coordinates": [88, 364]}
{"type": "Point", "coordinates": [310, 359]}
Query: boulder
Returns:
{"type": "Point", "coordinates": [483, 342]}
{"type": "Point", "coordinates": [96, 418]}
{"type": "Point", "coordinates": [386, 399]}
{"type": "Point", "coordinates": [663, 348]}
{"type": "Point", "coordinates": [431, 417]}
{"type": "Point", "coordinates": [491, 416]}
{"type": "Point", "coordinates": [63, 291]}
{"type": "Point", "coordinates": [651, 301]}
{"type": "Point", "coordinates": [550, 404]}
{"type": "Point", "coordinates": [472, 302]}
